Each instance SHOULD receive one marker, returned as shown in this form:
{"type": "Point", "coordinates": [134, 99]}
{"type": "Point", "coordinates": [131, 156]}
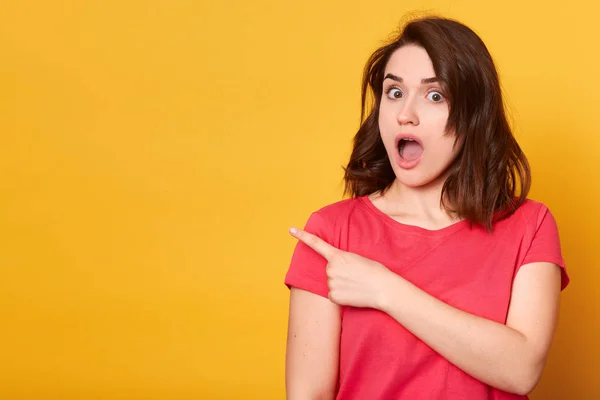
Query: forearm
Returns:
{"type": "Point", "coordinates": [489, 351]}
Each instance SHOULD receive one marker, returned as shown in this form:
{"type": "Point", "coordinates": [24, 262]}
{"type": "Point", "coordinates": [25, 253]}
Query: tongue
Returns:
{"type": "Point", "coordinates": [411, 151]}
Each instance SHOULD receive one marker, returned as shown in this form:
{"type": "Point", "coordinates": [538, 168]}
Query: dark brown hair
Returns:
{"type": "Point", "coordinates": [486, 175]}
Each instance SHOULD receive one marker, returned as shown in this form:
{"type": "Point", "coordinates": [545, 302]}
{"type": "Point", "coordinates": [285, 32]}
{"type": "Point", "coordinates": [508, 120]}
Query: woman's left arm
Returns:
{"type": "Point", "coordinates": [509, 357]}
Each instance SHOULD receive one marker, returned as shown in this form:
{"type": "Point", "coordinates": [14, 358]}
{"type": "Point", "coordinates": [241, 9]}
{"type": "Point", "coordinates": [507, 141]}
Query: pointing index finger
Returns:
{"type": "Point", "coordinates": [315, 243]}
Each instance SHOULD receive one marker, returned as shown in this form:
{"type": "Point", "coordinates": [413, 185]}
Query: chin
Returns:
{"type": "Point", "coordinates": [414, 179]}
{"type": "Point", "coordinates": [413, 182]}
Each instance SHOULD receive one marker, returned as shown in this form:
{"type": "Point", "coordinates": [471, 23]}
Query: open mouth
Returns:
{"type": "Point", "coordinates": [409, 149]}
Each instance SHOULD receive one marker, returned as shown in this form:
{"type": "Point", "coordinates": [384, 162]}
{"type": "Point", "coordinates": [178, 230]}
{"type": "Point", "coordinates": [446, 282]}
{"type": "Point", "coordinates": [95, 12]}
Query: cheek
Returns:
{"type": "Point", "coordinates": [384, 115]}
{"type": "Point", "coordinates": [445, 150]}
{"type": "Point", "coordinates": [436, 117]}
{"type": "Point", "coordinates": [387, 125]}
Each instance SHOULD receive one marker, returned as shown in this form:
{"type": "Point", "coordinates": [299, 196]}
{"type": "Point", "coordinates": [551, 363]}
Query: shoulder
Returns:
{"type": "Point", "coordinates": [528, 219]}
{"type": "Point", "coordinates": [531, 208]}
{"type": "Point", "coordinates": [528, 211]}
{"type": "Point", "coordinates": [340, 210]}
{"type": "Point", "coordinates": [331, 221]}
{"type": "Point", "coordinates": [531, 212]}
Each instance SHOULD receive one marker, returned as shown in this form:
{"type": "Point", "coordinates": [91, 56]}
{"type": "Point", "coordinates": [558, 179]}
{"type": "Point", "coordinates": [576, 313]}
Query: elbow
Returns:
{"type": "Point", "coordinates": [527, 380]}
{"type": "Point", "coordinates": [523, 388]}
{"type": "Point", "coordinates": [313, 396]}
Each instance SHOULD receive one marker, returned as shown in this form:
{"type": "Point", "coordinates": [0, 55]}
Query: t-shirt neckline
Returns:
{"type": "Point", "coordinates": [456, 226]}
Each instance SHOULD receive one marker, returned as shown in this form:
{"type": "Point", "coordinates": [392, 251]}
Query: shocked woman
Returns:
{"type": "Point", "coordinates": [438, 278]}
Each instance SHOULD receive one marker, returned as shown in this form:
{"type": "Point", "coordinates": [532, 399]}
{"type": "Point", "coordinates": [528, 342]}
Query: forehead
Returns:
{"type": "Point", "coordinates": [411, 63]}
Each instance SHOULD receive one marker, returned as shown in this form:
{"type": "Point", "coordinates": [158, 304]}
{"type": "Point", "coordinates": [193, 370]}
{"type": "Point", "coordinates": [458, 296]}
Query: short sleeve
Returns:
{"type": "Point", "coordinates": [545, 245]}
{"type": "Point", "coordinates": [307, 269]}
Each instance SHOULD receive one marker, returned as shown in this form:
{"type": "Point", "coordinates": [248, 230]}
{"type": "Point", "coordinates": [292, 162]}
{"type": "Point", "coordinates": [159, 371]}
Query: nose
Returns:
{"type": "Point", "coordinates": [408, 113]}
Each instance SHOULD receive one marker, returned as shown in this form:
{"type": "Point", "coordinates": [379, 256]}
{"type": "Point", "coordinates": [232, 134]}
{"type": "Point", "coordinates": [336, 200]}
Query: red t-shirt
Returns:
{"type": "Point", "coordinates": [462, 265]}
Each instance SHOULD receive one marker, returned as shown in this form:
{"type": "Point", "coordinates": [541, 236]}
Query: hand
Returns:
{"type": "Point", "coordinates": [353, 280]}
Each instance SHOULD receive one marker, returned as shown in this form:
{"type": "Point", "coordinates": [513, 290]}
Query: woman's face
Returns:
{"type": "Point", "coordinates": [412, 119]}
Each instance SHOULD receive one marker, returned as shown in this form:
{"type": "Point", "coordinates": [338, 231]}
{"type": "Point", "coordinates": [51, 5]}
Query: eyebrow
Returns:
{"type": "Point", "coordinates": [398, 79]}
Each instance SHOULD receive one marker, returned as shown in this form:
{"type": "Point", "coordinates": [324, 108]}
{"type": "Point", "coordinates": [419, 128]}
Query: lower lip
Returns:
{"type": "Point", "coordinates": [407, 164]}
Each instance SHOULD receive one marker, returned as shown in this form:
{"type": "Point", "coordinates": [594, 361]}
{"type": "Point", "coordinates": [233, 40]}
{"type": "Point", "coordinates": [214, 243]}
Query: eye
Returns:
{"type": "Point", "coordinates": [394, 93]}
{"type": "Point", "coordinates": [435, 96]}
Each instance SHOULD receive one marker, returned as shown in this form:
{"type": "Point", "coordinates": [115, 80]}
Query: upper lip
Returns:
{"type": "Point", "coordinates": [409, 136]}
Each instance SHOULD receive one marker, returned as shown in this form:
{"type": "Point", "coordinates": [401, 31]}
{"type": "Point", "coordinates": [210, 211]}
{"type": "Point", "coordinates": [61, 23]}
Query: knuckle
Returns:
{"type": "Point", "coordinates": [328, 272]}
{"type": "Point", "coordinates": [336, 258]}
{"type": "Point", "coordinates": [331, 271]}
{"type": "Point", "coordinates": [333, 296]}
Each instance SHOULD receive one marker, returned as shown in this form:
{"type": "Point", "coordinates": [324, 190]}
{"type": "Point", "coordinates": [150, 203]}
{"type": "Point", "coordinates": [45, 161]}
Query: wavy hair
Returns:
{"type": "Point", "coordinates": [483, 181]}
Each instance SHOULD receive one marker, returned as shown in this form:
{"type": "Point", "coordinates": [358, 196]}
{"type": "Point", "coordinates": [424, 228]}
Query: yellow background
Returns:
{"type": "Point", "coordinates": [154, 153]}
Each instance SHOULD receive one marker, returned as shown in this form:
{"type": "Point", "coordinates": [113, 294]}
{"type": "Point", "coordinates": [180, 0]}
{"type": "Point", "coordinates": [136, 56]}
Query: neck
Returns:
{"type": "Point", "coordinates": [417, 203]}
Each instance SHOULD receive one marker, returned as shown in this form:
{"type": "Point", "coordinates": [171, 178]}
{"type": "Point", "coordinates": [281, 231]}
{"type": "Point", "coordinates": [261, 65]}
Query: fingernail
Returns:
{"type": "Point", "coordinates": [293, 231]}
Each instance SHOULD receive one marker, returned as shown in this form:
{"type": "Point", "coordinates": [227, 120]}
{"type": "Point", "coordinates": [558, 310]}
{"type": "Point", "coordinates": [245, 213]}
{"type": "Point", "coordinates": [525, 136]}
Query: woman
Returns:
{"type": "Point", "coordinates": [438, 278]}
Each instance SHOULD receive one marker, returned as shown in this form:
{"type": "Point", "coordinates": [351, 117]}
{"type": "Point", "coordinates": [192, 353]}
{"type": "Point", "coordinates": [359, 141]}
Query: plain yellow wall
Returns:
{"type": "Point", "coordinates": [154, 153]}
